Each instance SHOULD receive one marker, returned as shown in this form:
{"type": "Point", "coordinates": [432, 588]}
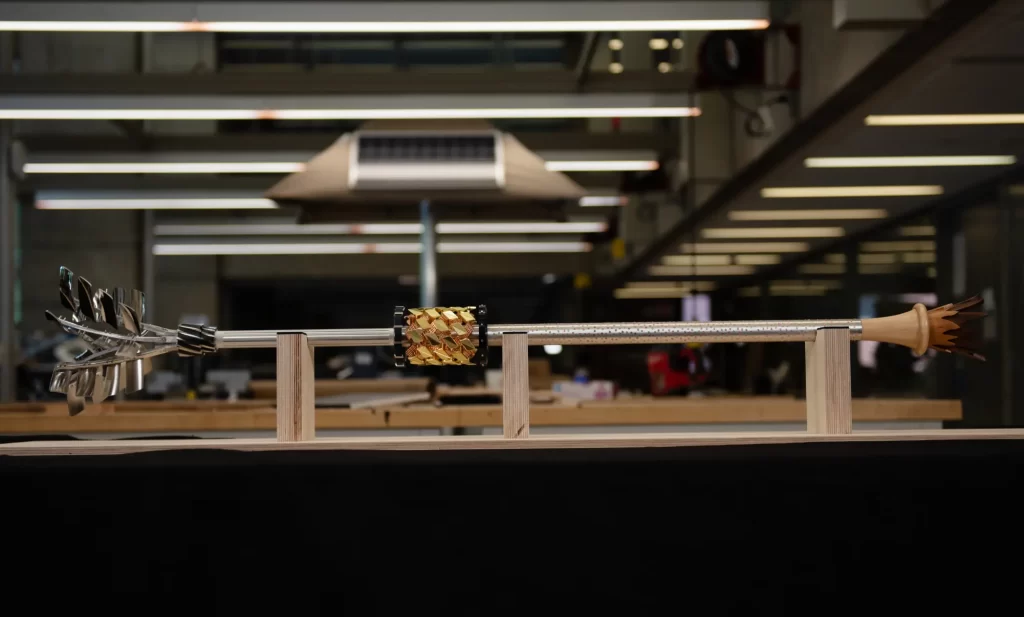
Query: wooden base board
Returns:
{"type": "Point", "coordinates": [97, 447]}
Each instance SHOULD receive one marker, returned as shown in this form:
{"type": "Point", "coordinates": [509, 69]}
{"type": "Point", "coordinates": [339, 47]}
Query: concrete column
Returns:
{"type": "Point", "coordinates": [8, 245]}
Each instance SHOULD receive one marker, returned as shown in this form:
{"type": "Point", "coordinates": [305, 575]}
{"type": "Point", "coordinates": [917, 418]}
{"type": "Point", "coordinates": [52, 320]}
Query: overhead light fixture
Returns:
{"type": "Point", "coordinates": [658, 44]}
{"type": "Point", "coordinates": [664, 67]}
{"type": "Point", "coordinates": [337, 248]}
{"type": "Point", "coordinates": [386, 229]}
{"type": "Point", "coordinates": [601, 165]}
{"type": "Point", "coordinates": [917, 230]}
{"type": "Point", "coordinates": [796, 192]}
{"type": "Point", "coordinates": [821, 269]}
{"type": "Point", "coordinates": [696, 285]}
{"type": "Point", "coordinates": [349, 114]}
{"type": "Point", "coordinates": [772, 232]}
{"type": "Point", "coordinates": [615, 68]}
{"type": "Point", "coordinates": [615, 44]}
{"type": "Point", "coordinates": [156, 204]}
{"type": "Point", "coordinates": [552, 350]}
{"type": "Point", "coordinates": [908, 161]}
{"type": "Point", "coordinates": [878, 269]}
{"type": "Point", "coordinates": [699, 270]}
{"type": "Point", "coordinates": [898, 245]}
{"type": "Point", "coordinates": [942, 119]}
{"type": "Point", "coordinates": [677, 43]}
{"type": "Point", "coordinates": [590, 201]}
{"type": "Point", "coordinates": [384, 27]}
{"type": "Point", "coordinates": [745, 247]}
{"type": "Point", "coordinates": [918, 258]}
{"type": "Point", "coordinates": [652, 293]}
{"type": "Point", "coordinates": [876, 258]}
{"type": "Point", "coordinates": [166, 168]}
{"type": "Point", "coordinates": [807, 215]}
{"type": "Point", "coordinates": [697, 260]}
{"type": "Point", "coordinates": [282, 167]}
{"type": "Point", "coordinates": [758, 260]}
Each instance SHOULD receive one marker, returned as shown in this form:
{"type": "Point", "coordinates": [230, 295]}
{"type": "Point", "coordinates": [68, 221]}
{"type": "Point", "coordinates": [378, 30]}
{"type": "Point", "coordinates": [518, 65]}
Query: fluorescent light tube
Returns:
{"type": "Point", "coordinates": [699, 260]}
{"type": "Point", "coordinates": [807, 215]}
{"type": "Point", "coordinates": [821, 269]}
{"type": "Point", "coordinates": [356, 27]}
{"type": "Point", "coordinates": [603, 200]}
{"type": "Point", "coordinates": [942, 119]}
{"type": "Point", "coordinates": [347, 114]}
{"type": "Point", "coordinates": [772, 232]}
{"type": "Point", "coordinates": [290, 229]}
{"type": "Point", "coordinates": [898, 245]}
{"type": "Point", "coordinates": [850, 191]}
{"type": "Point", "coordinates": [521, 228]}
{"type": "Point", "coordinates": [908, 161]}
{"type": "Point", "coordinates": [165, 168]}
{"type": "Point", "coordinates": [699, 270]}
{"type": "Point", "coordinates": [917, 230]}
{"type": "Point", "coordinates": [601, 165]}
{"type": "Point", "coordinates": [337, 248]}
{"type": "Point", "coordinates": [156, 204]}
{"type": "Point", "coordinates": [697, 285]}
{"type": "Point", "coordinates": [758, 260]}
{"type": "Point", "coordinates": [745, 247]}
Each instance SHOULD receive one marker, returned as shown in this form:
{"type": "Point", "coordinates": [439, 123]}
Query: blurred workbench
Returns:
{"type": "Point", "coordinates": [190, 417]}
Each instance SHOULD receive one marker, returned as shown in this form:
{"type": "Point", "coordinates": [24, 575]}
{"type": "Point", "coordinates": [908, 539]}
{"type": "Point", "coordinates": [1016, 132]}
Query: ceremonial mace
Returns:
{"type": "Point", "coordinates": [112, 324]}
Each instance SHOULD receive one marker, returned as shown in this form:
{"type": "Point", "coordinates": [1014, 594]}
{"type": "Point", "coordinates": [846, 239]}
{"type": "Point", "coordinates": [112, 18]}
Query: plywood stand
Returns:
{"type": "Point", "coordinates": [829, 403]}
{"type": "Point", "coordinates": [296, 410]}
{"type": "Point", "coordinates": [515, 396]}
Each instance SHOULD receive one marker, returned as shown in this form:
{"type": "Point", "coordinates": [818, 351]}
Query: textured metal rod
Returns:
{"type": "Point", "coordinates": [637, 333]}
{"type": "Point", "coordinates": [362, 337]}
{"type": "Point", "coordinates": [641, 333]}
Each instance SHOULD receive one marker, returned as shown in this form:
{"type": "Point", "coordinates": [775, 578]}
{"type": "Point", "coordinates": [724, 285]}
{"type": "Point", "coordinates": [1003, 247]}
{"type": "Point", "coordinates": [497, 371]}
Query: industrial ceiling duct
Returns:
{"type": "Point", "coordinates": [460, 167]}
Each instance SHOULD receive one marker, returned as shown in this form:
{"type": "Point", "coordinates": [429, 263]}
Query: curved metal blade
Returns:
{"type": "Point", "coordinates": [67, 290]}
{"type": "Point", "coordinates": [86, 299]}
{"type": "Point", "coordinates": [110, 313]}
{"type": "Point", "coordinates": [134, 376]}
{"type": "Point", "coordinates": [138, 302]}
{"type": "Point", "coordinates": [129, 319]}
{"type": "Point", "coordinates": [59, 382]}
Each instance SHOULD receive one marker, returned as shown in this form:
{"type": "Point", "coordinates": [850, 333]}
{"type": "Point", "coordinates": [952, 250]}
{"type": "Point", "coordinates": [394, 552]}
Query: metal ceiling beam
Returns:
{"type": "Point", "coordinates": [298, 142]}
{"type": "Point", "coordinates": [371, 16]}
{"type": "Point", "coordinates": [307, 83]}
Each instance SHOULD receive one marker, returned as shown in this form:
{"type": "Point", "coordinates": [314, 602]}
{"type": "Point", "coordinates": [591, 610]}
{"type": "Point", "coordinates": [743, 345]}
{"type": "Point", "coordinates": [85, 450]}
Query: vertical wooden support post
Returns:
{"type": "Point", "coordinates": [296, 419]}
{"type": "Point", "coordinates": [829, 405]}
{"type": "Point", "coordinates": [515, 395]}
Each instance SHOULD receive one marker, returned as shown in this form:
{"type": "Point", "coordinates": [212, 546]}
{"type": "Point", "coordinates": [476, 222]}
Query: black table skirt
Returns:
{"type": "Point", "coordinates": [765, 529]}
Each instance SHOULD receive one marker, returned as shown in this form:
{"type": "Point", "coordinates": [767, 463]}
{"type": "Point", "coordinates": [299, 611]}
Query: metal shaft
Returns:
{"type": "Point", "coordinates": [638, 333]}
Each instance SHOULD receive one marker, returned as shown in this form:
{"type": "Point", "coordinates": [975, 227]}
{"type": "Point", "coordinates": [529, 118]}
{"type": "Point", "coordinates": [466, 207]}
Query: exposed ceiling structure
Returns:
{"type": "Point", "coordinates": [288, 82]}
{"type": "Point", "coordinates": [910, 132]}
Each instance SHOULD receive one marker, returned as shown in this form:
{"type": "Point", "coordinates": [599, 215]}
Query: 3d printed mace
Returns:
{"type": "Point", "coordinates": [112, 323]}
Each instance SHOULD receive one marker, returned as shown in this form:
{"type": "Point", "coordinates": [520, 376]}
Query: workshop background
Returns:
{"type": "Point", "coordinates": [662, 160]}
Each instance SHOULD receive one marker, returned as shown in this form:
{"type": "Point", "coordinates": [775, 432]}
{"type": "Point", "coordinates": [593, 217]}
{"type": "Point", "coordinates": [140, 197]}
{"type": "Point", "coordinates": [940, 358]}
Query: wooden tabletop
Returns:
{"type": "Point", "coordinates": [211, 416]}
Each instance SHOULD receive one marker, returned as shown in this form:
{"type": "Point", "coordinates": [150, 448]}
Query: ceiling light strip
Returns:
{"type": "Point", "coordinates": [745, 247]}
{"type": "Point", "coordinates": [374, 27]}
{"type": "Point", "coordinates": [348, 114]}
{"type": "Point", "coordinates": [771, 232]}
{"type": "Point", "coordinates": [808, 215]}
{"type": "Point", "coordinates": [796, 192]}
{"type": "Point", "coordinates": [908, 161]}
{"type": "Point", "coordinates": [941, 119]}
{"type": "Point", "coordinates": [339, 248]}
{"type": "Point", "coordinates": [244, 203]}
{"type": "Point", "coordinates": [292, 229]}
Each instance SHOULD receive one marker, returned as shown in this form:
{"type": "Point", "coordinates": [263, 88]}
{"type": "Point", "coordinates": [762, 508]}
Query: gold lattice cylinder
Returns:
{"type": "Point", "coordinates": [441, 336]}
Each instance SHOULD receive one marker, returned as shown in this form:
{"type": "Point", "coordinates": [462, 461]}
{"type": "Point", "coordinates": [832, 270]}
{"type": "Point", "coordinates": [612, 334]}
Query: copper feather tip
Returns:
{"type": "Point", "coordinates": [952, 328]}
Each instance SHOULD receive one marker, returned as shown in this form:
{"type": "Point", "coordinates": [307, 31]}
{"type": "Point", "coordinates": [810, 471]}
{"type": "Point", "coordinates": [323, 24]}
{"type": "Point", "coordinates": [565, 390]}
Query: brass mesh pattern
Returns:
{"type": "Point", "coordinates": [440, 336]}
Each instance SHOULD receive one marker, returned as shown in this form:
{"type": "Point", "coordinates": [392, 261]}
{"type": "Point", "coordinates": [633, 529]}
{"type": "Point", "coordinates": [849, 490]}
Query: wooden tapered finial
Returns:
{"type": "Point", "coordinates": [942, 328]}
